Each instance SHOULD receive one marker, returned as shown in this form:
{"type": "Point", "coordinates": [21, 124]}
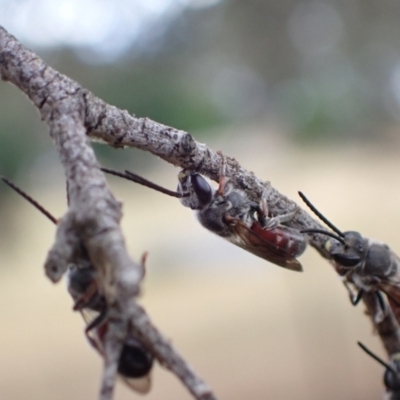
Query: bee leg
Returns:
{"type": "Point", "coordinates": [143, 263]}
{"type": "Point", "coordinates": [381, 308]}
{"type": "Point", "coordinates": [356, 299]}
{"type": "Point", "coordinates": [262, 218]}
{"type": "Point", "coordinates": [380, 305]}
{"type": "Point", "coordinates": [262, 211]}
{"type": "Point", "coordinates": [96, 322]}
{"type": "Point", "coordinates": [273, 222]}
{"type": "Point", "coordinates": [223, 180]}
{"type": "Point", "coordinates": [93, 343]}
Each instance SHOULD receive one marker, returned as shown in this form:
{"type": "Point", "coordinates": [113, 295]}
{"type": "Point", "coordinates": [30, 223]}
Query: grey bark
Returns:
{"type": "Point", "coordinates": [93, 216]}
{"type": "Point", "coordinates": [74, 115]}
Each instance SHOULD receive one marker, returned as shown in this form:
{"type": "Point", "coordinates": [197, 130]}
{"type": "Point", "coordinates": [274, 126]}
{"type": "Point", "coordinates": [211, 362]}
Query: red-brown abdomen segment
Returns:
{"type": "Point", "coordinates": [282, 237]}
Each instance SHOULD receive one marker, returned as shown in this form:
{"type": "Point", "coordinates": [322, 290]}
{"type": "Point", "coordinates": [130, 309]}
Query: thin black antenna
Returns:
{"type": "Point", "coordinates": [327, 233]}
{"type": "Point", "coordinates": [142, 181]}
{"type": "Point", "coordinates": [375, 357]}
{"type": "Point", "coordinates": [320, 216]}
{"type": "Point", "coordinates": [29, 198]}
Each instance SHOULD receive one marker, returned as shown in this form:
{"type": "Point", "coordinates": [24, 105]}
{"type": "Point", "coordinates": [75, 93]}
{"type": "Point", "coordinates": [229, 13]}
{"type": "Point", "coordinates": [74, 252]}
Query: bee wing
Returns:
{"type": "Point", "coordinates": [393, 295]}
{"type": "Point", "coordinates": [141, 385]}
{"type": "Point", "coordinates": [88, 315]}
{"type": "Point", "coordinates": [257, 241]}
{"type": "Point", "coordinates": [93, 336]}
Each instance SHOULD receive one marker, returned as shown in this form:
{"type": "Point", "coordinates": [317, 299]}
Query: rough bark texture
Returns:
{"type": "Point", "coordinates": [92, 221]}
{"type": "Point", "coordinates": [73, 115]}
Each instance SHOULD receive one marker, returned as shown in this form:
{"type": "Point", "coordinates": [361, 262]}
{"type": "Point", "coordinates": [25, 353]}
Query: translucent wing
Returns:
{"type": "Point", "coordinates": [393, 295]}
{"type": "Point", "coordinates": [265, 244]}
{"type": "Point", "coordinates": [141, 385]}
{"type": "Point", "coordinates": [88, 315]}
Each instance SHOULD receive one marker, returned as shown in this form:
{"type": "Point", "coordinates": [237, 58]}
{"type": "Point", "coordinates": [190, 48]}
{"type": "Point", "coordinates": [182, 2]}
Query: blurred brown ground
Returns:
{"type": "Point", "coordinates": [251, 329]}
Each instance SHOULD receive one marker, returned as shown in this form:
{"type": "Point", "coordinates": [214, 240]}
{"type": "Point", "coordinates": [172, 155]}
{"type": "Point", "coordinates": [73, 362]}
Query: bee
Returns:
{"type": "Point", "coordinates": [391, 377]}
{"type": "Point", "coordinates": [229, 213]}
{"type": "Point", "coordinates": [135, 362]}
{"type": "Point", "coordinates": [365, 264]}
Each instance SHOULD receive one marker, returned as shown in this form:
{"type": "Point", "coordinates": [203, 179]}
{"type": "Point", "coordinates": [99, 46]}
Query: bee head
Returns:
{"type": "Point", "coordinates": [391, 377]}
{"type": "Point", "coordinates": [349, 251]}
{"type": "Point", "coordinates": [199, 191]}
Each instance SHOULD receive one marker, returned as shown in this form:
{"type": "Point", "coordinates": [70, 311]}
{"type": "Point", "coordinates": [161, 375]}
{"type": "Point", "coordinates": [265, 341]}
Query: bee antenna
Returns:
{"type": "Point", "coordinates": [327, 233]}
{"type": "Point", "coordinates": [319, 215]}
{"type": "Point", "coordinates": [30, 199]}
{"type": "Point", "coordinates": [130, 176]}
{"type": "Point", "coordinates": [375, 357]}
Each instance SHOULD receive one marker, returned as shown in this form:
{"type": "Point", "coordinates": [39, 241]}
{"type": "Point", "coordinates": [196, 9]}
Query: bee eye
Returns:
{"type": "Point", "coordinates": [346, 260]}
{"type": "Point", "coordinates": [202, 189]}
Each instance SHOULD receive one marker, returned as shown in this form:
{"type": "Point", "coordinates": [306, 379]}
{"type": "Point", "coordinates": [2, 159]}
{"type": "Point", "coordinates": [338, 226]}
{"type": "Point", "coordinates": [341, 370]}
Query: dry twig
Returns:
{"type": "Point", "coordinates": [93, 216]}
{"type": "Point", "coordinates": [73, 114]}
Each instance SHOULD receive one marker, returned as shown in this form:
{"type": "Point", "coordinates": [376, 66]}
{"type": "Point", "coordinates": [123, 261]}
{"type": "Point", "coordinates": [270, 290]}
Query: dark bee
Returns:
{"type": "Point", "coordinates": [391, 377]}
{"type": "Point", "coordinates": [229, 213]}
{"type": "Point", "coordinates": [135, 362]}
{"type": "Point", "coordinates": [368, 265]}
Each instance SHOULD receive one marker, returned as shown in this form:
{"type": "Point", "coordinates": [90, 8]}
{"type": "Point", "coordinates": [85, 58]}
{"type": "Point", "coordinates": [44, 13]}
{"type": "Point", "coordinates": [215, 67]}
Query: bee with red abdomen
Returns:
{"type": "Point", "coordinates": [228, 212]}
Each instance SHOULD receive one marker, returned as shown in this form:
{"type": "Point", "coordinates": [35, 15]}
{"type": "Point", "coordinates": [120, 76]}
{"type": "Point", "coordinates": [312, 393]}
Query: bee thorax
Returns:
{"type": "Point", "coordinates": [213, 220]}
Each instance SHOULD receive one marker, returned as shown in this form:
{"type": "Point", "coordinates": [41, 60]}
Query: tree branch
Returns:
{"type": "Point", "coordinates": [73, 114]}
{"type": "Point", "coordinates": [93, 216]}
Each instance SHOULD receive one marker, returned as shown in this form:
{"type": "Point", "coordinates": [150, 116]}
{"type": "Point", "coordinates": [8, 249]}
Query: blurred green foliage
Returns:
{"type": "Point", "coordinates": [22, 134]}
{"type": "Point", "coordinates": [328, 70]}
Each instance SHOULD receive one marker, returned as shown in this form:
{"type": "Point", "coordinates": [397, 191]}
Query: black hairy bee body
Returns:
{"type": "Point", "coordinates": [365, 265]}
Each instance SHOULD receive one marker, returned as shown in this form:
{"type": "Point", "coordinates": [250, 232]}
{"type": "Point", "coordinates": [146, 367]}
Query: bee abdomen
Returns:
{"type": "Point", "coordinates": [288, 239]}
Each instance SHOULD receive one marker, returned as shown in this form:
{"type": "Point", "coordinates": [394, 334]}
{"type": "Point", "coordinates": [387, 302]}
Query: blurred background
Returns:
{"type": "Point", "coordinates": [304, 93]}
